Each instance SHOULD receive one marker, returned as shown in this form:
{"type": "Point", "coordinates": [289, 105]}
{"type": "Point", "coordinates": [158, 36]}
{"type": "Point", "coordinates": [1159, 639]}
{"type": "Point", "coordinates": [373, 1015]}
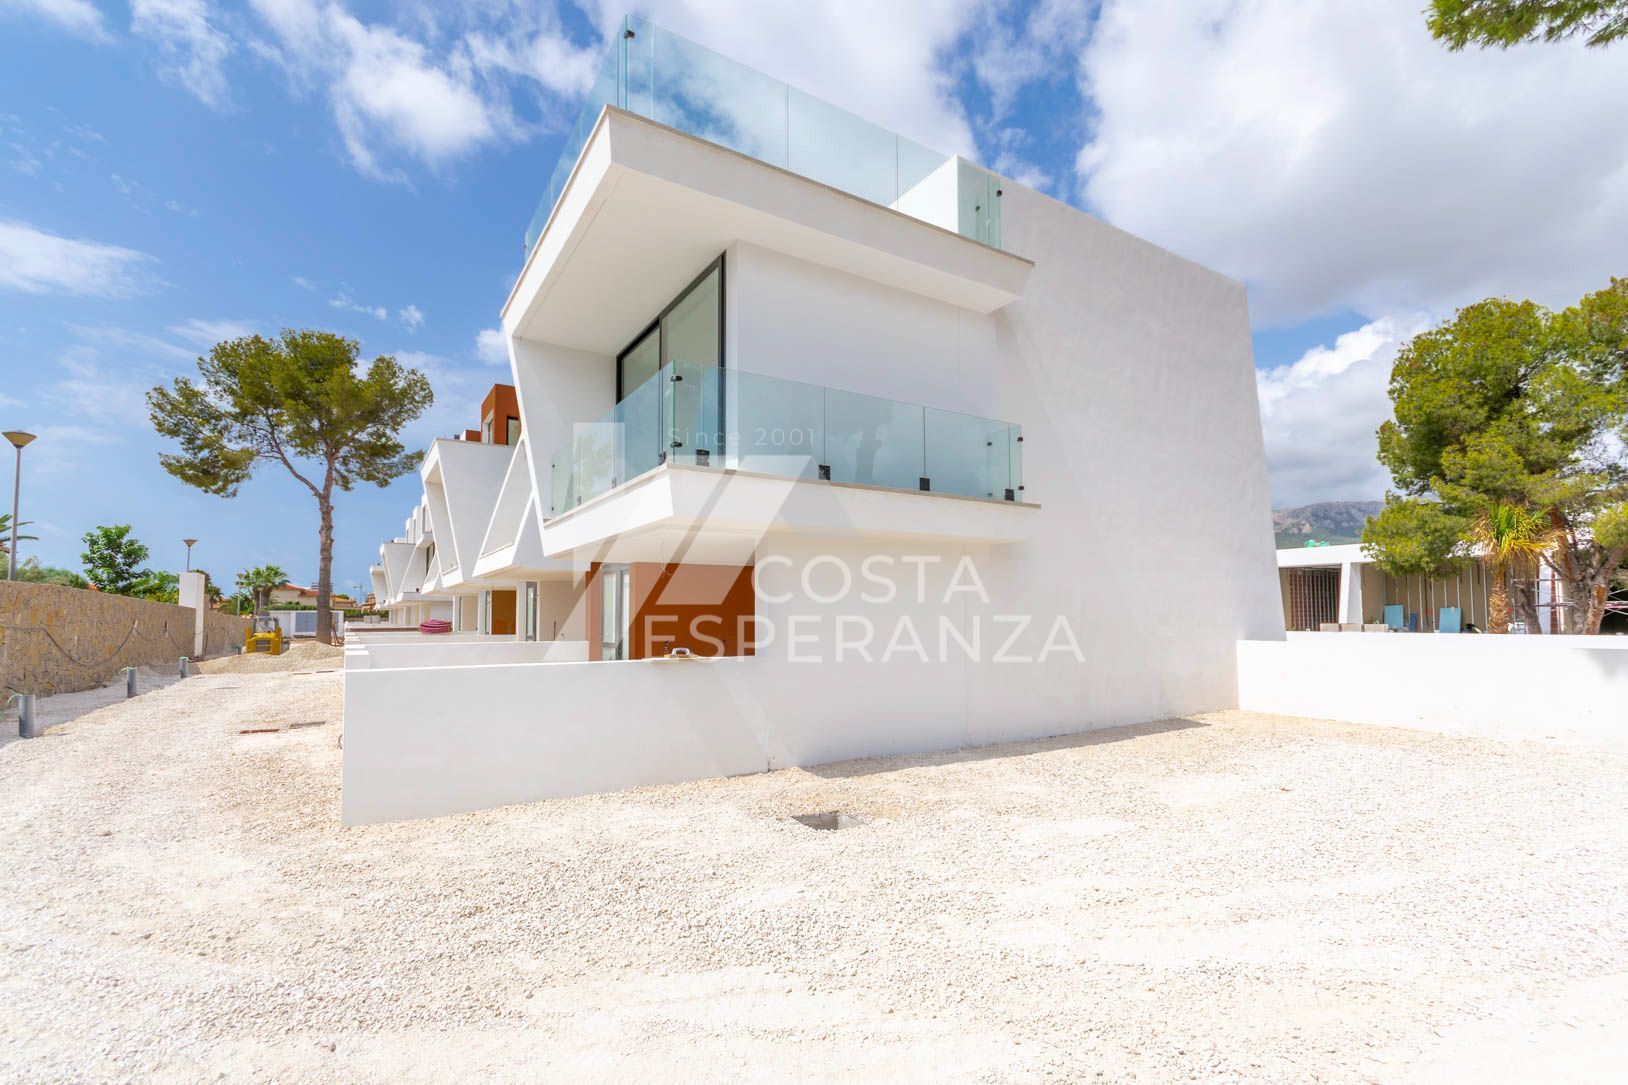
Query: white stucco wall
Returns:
{"type": "Point", "coordinates": [557, 388]}
{"type": "Point", "coordinates": [799, 321]}
{"type": "Point", "coordinates": [1131, 373]}
{"type": "Point", "coordinates": [1569, 689]}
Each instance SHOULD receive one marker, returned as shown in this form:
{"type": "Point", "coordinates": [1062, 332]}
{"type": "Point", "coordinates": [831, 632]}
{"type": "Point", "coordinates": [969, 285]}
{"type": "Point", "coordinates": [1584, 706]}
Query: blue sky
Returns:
{"type": "Point", "coordinates": [174, 171]}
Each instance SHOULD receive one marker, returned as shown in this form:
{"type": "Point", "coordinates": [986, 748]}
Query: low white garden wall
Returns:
{"type": "Point", "coordinates": [427, 741]}
{"type": "Point", "coordinates": [437, 651]}
{"type": "Point", "coordinates": [1570, 689]}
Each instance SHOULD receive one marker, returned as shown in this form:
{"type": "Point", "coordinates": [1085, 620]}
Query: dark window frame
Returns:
{"type": "Point", "coordinates": [718, 265]}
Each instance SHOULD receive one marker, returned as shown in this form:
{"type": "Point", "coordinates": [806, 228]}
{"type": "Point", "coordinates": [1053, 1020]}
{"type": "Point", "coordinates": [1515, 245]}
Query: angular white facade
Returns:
{"type": "Point", "coordinates": [959, 493]}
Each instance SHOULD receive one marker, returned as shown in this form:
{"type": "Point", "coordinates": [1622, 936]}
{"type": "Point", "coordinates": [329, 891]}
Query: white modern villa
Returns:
{"type": "Point", "coordinates": [828, 446]}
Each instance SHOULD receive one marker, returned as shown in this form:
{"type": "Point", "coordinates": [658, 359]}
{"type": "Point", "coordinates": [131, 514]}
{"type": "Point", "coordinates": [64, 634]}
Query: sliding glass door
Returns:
{"type": "Point", "coordinates": [690, 329]}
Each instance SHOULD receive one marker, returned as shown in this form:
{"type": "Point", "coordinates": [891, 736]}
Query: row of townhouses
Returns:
{"type": "Point", "coordinates": [818, 445]}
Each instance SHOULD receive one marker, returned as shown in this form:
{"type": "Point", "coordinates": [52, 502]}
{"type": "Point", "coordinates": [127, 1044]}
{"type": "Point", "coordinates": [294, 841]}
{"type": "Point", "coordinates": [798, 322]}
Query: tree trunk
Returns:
{"type": "Point", "coordinates": [1497, 600]}
{"type": "Point", "coordinates": [325, 562]}
{"type": "Point", "coordinates": [1524, 605]}
{"type": "Point", "coordinates": [1588, 581]}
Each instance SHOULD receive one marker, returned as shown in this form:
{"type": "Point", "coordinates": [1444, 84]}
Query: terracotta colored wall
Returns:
{"type": "Point", "coordinates": [503, 613]}
{"type": "Point", "coordinates": [502, 403]}
{"type": "Point", "coordinates": [680, 606]}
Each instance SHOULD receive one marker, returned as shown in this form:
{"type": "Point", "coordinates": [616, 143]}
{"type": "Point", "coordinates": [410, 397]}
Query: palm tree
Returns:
{"type": "Point", "coordinates": [5, 532]}
{"type": "Point", "coordinates": [1511, 539]}
{"type": "Point", "coordinates": [259, 582]}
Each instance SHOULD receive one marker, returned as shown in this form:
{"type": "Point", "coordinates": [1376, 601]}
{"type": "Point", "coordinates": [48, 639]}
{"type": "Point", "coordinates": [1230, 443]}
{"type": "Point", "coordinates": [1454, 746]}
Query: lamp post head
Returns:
{"type": "Point", "coordinates": [18, 438]}
{"type": "Point", "coordinates": [189, 542]}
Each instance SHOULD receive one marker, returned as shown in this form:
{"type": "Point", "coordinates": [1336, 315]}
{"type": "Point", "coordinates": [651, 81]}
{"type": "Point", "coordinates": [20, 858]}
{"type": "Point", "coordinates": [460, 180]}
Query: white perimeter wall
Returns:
{"type": "Point", "coordinates": [1570, 689]}
{"type": "Point", "coordinates": [431, 651]}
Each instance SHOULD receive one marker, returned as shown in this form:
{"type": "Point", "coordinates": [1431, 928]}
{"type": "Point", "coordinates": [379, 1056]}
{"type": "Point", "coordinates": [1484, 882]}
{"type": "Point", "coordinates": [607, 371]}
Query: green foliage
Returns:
{"type": "Point", "coordinates": [258, 583]}
{"type": "Point", "coordinates": [111, 558]}
{"type": "Point", "coordinates": [1511, 539]}
{"type": "Point", "coordinates": [156, 585]}
{"type": "Point", "coordinates": [301, 400]}
{"type": "Point", "coordinates": [5, 532]}
{"type": "Point", "coordinates": [298, 397]}
{"type": "Point", "coordinates": [1412, 536]}
{"type": "Point", "coordinates": [1597, 329]}
{"type": "Point", "coordinates": [1509, 406]}
{"type": "Point", "coordinates": [1503, 23]}
{"type": "Point", "coordinates": [30, 570]}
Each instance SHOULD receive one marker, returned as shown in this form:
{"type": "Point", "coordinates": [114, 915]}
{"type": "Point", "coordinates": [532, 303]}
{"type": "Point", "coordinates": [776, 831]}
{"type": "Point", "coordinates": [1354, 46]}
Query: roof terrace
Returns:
{"type": "Point", "coordinates": [669, 79]}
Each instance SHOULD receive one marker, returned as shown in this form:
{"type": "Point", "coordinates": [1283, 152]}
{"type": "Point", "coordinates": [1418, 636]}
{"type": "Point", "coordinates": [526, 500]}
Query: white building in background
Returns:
{"type": "Point", "coordinates": [429, 570]}
{"type": "Point", "coordinates": [1324, 586]}
{"type": "Point", "coordinates": [830, 446]}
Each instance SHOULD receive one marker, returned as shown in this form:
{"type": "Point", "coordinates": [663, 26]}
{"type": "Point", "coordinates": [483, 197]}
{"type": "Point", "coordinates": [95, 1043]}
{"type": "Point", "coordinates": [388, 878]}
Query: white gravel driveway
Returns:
{"type": "Point", "coordinates": [1230, 898]}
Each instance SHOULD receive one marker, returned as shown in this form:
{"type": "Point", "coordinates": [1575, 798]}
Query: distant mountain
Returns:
{"type": "Point", "coordinates": [1326, 521]}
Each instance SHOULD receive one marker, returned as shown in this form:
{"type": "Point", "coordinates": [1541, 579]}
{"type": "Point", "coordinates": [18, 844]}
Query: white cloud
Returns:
{"type": "Point", "coordinates": [388, 91]}
{"type": "Point", "coordinates": [92, 390]}
{"type": "Point", "coordinates": [303, 283]}
{"type": "Point", "coordinates": [411, 318]}
{"type": "Point", "coordinates": [79, 17]}
{"type": "Point", "coordinates": [204, 334]}
{"type": "Point", "coordinates": [36, 262]}
{"type": "Point", "coordinates": [1335, 156]}
{"type": "Point", "coordinates": [1319, 415]}
{"type": "Point", "coordinates": [24, 160]}
{"type": "Point", "coordinates": [445, 81]}
{"type": "Point", "coordinates": [457, 397]}
{"type": "Point", "coordinates": [64, 451]}
{"type": "Point", "coordinates": [346, 303]}
{"type": "Point", "coordinates": [491, 347]}
{"type": "Point", "coordinates": [131, 342]}
{"type": "Point", "coordinates": [884, 63]}
{"type": "Point", "coordinates": [193, 51]}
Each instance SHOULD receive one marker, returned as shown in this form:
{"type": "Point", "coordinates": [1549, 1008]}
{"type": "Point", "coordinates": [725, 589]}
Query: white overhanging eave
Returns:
{"type": "Point", "coordinates": [647, 205]}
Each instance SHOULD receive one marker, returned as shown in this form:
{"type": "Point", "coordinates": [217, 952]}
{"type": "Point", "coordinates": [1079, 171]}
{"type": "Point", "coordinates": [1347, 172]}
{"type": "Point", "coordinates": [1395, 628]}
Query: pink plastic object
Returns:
{"type": "Point", "coordinates": [435, 625]}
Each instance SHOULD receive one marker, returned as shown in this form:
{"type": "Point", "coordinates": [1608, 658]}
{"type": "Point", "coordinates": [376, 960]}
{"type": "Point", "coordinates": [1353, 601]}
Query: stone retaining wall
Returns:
{"type": "Point", "coordinates": [55, 639]}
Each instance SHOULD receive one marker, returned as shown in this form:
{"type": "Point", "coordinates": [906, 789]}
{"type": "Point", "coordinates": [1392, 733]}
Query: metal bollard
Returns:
{"type": "Point", "coordinates": [27, 726]}
{"type": "Point", "coordinates": [130, 681]}
{"type": "Point", "coordinates": [186, 667]}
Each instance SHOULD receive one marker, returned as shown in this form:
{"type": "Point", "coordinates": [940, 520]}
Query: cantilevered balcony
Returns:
{"type": "Point", "coordinates": [700, 450]}
{"type": "Point", "coordinates": [654, 73]}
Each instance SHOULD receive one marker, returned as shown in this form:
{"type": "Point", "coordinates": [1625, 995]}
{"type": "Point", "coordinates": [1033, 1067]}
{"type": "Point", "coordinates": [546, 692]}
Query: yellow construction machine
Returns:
{"type": "Point", "coordinates": [264, 635]}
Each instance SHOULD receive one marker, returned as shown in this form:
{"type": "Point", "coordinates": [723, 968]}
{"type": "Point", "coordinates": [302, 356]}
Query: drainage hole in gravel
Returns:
{"type": "Point", "coordinates": [830, 820]}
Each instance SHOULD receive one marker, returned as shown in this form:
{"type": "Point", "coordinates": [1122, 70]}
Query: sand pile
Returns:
{"type": "Point", "coordinates": [305, 655]}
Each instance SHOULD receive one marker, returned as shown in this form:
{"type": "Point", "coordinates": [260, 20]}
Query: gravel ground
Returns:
{"type": "Point", "coordinates": [1234, 897]}
{"type": "Point", "coordinates": [50, 711]}
{"type": "Point", "coordinates": [298, 656]}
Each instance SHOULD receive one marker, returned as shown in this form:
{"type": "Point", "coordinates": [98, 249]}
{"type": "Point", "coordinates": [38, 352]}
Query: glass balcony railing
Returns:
{"type": "Point", "coordinates": [695, 413]}
{"type": "Point", "coordinates": [669, 79]}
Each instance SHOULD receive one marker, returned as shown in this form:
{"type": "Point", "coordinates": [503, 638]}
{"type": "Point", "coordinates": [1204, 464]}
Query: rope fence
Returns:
{"type": "Point", "coordinates": [135, 627]}
{"type": "Point", "coordinates": [96, 668]}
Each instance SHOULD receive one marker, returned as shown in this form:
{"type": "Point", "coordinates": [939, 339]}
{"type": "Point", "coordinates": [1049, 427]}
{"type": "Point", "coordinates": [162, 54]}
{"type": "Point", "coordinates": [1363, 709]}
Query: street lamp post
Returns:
{"type": "Point", "coordinates": [189, 543]}
{"type": "Point", "coordinates": [18, 439]}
